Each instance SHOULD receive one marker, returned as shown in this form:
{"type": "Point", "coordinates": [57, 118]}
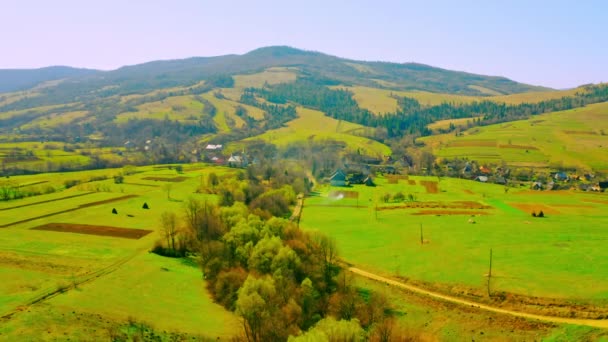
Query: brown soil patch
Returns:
{"type": "Point", "coordinates": [467, 191]}
{"type": "Point", "coordinates": [343, 194]}
{"type": "Point", "coordinates": [580, 132]}
{"type": "Point", "coordinates": [142, 184]}
{"type": "Point", "coordinates": [31, 184]}
{"type": "Point", "coordinates": [529, 208]}
{"type": "Point", "coordinates": [404, 177]}
{"type": "Point", "coordinates": [519, 147]}
{"type": "Point", "coordinates": [438, 205]}
{"type": "Point", "coordinates": [337, 205]}
{"type": "Point", "coordinates": [411, 182]}
{"type": "Point", "coordinates": [473, 143]}
{"type": "Point", "coordinates": [431, 186]}
{"type": "Point", "coordinates": [450, 212]}
{"type": "Point", "coordinates": [126, 233]}
{"type": "Point", "coordinates": [393, 181]}
{"type": "Point", "coordinates": [166, 179]}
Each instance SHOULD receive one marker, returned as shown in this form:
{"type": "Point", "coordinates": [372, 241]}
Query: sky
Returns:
{"type": "Point", "coordinates": [559, 44]}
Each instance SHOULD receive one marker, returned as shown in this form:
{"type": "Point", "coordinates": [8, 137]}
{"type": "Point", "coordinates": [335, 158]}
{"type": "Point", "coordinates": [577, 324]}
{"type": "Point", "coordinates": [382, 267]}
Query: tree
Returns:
{"type": "Point", "coordinates": [212, 180]}
{"type": "Point", "coordinates": [169, 223]}
{"type": "Point", "coordinates": [330, 330]}
{"type": "Point", "coordinates": [255, 304]}
{"type": "Point", "coordinates": [167, 187]}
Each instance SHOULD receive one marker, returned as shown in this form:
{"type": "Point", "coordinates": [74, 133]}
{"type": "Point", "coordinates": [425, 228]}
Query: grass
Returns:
{"type": "Point", "coordinates": [566, 248]}
{"type": "Point", "coordinates": [572, 138]}
{"type": "Point", "coordinates": [380, 101]}
{"type": "Point", "coordinates": [34, 262]}
{"type": "Point", "coordinates": [312, 124]}
{"type": "Point", "coordinates": [269, 76]}
{"type": "Point", "coordinates": [150, 287]}
{"type": "Point", "coordinates": [180, 108]}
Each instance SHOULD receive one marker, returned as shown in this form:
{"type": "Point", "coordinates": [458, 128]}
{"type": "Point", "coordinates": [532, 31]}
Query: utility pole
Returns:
{"type": "Point", "coordinates": [490, 273]}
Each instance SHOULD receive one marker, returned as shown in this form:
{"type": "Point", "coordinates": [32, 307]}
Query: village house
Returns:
{"type": "Point", "coordinates": [338, 178]}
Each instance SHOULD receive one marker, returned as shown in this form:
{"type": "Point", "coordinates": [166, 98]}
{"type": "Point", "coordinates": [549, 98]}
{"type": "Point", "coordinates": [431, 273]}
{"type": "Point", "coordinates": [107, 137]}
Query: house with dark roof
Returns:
{"type": "Point", "coordinates": [560, 176]}
{"type": "Point", "coordinates": [369, 181]}
{"type": "Point", "coordinates": [338, 178]}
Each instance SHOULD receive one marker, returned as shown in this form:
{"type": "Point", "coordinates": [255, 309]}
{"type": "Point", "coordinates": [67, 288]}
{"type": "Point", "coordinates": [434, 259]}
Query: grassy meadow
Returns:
{"type": "Point", "coordinates": [573, 138]}
{"type": "Point", "coordinates": [122, 281]}
{"type": "Point", "coordinates": [532, 256]}
{"type": "Point", "coordinates": [312, 124]}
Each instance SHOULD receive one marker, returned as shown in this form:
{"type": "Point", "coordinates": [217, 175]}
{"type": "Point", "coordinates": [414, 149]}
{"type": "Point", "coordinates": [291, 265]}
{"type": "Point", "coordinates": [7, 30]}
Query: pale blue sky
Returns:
{"type": "Point", "coordinates": [552, 43]}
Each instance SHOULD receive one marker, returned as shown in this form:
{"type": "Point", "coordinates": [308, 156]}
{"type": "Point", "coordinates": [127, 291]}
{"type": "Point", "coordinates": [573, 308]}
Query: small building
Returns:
{"type": "Point", "coordinates": [338, 178]}
{"type": "Point", "coordinates": [501, 180]}
{"type": "Point", "coordinates": [369, 181]}
{"type": "Point", "coordinates": [560, 176]}
{"type": "Point", "coordinates": [485, 170]}
{"type": "Point", "coordinates": [482, 179]}
{"type": "Point", "coordinates": [537, 186]}
{"type": "Point", "coordinates": [237, 161]}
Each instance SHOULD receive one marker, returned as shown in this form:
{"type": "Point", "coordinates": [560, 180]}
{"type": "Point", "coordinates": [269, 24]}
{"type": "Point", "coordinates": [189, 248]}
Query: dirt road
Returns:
{"type": "Point", "coordinates": [560, 320]}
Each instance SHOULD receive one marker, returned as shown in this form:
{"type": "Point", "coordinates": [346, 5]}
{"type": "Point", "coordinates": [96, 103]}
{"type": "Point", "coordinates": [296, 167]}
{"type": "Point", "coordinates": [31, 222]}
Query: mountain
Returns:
{"type": "Point", "coordinates": [315, 65]}
{"type": "Point", "coordinates": [22, 79]}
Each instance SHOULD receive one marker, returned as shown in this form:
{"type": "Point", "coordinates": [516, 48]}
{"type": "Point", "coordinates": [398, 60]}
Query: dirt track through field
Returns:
{"type": "Point", "coordinates": [560, 320]}
{"type": "Point", "coordinates": [86, 205]}
{"type": "Point", "coordinates": [80, 280]}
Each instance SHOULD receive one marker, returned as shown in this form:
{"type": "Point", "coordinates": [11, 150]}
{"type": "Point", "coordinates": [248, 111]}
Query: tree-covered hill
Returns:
{"type": "Point", "coordinates": [146, 77]}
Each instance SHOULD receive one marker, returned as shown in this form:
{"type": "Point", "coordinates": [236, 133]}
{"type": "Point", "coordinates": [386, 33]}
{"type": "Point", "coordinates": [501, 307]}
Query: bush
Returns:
{"type": "Point", "coordinates": [119, 179]}
{"type": "Point", "coordinates": [399, 197]}
{"type": "Point", "coordinates": [71, 182]}
{"type": "Point", "coordinates": [161, 250]}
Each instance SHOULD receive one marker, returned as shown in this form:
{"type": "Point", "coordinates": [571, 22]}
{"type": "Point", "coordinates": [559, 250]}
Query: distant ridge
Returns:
{"type": "Point", "coordinates": [23, 79]}
{"type": "Point", "coordinates": [311, 64]}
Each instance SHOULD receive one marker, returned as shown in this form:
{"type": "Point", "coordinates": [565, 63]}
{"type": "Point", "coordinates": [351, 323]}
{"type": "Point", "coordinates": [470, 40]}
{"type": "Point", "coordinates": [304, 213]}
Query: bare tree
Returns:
{"type": "Point", "coordinates": [169, 223]}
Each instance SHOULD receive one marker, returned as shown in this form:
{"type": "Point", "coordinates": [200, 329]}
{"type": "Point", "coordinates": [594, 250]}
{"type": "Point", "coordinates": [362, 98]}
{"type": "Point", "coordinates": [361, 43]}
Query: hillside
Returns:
{"type": "Point", "coordinates": [573, 138]}
{"type": "Point", "coordinates": [21, 79]}
{"type": "Point", "coordinates": [188, 72]}
{"type": "Point", "coordinates": [158, 112]}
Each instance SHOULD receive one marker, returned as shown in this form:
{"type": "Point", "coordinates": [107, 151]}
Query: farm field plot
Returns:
{"type": "Point", "coordinates": [565, 247]}
{"type": "Point", "coordinates": [42, 254]}
{"type": "Point", "coordinates": [269, 76]}
{"type": "Point", "coordinates": [539, 141]}
{"type": "Point", "coordinates": [138, 290]}
{"type": "Point", "coordinates": [181, 108]}
{"type": "Point", "coordinates": [312, 124]}
{"type": "Point", "coordinates": [381, 101]}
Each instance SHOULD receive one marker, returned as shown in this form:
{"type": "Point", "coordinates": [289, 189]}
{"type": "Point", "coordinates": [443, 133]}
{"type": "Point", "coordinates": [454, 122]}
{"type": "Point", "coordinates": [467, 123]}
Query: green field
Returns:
{"type": "Point", "coordinates": [532, 256]}
{"type": "Point", "coordinates": [573, 138]}
{"type": "Point", "coordinates": [269, 76]}
{"type": "Point", "coordinates": [312, 124]}
{"type": "Point", "coordinates": [122, 281]}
